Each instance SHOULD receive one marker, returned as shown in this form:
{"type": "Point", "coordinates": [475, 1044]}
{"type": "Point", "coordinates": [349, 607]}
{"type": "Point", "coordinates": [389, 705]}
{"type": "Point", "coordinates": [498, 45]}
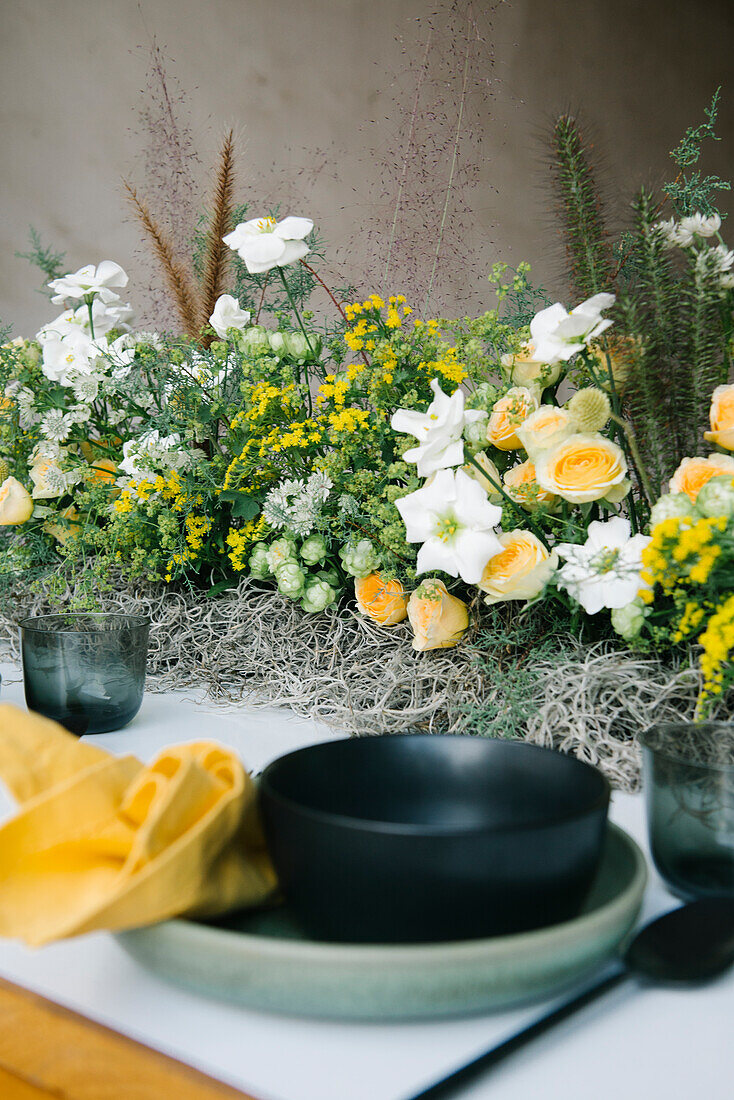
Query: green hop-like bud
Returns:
{"type": "Point", "coordinates": [670, 506]}
{"type": "Point", "coordinates": [716, 497]}
{"type": "Point", "coordinates": [475, 435]}
{"type": "Point", "coordinates": [255, 341]}
{"type": "Point", "coordinates": [360, 559]}
{"type": "Point", "coordinates": [330, 576]}
{"type": "Point", "coordinates": [291, 579]}
{"type": "Point", "coordinates": [313, 549]}
{"type": "Point", "coordinates": [281, 551]}
{"type": "Point", "coordinates": [317, 596]}
{"type": "Point", "coordinates": [483, 397]}
{"type": "Point", "coordinates": [628, 621]}
{"type": "Point", "coordinates": [590, 409]}
{"type": "Point", "coordinates": [276, 341]}
{"type": "Point", "coordinates": [258, 563]}
{"type": "Point", "coordinates": [299, 347]}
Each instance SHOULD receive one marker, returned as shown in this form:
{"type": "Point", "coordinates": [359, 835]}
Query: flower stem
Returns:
{"type": "Point", "coordinates": [526, 520]}
{"type": "Point", "coordinates": [294, 307]}
{"type": "Point", "coordinates": [89, 298]}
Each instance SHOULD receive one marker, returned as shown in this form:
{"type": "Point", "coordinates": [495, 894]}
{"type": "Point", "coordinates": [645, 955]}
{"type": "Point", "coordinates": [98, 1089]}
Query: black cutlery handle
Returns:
{"type": "Point", "coordinates": [447, 1085]}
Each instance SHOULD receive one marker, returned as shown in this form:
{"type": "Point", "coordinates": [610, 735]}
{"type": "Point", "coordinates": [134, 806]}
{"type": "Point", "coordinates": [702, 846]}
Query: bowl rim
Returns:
{"type": "Point", "coordinates": [119, 617]}
{"type": "Point", "coordinates": [406, 828]}
{"type": "Point", "coordinates": [679, 757]}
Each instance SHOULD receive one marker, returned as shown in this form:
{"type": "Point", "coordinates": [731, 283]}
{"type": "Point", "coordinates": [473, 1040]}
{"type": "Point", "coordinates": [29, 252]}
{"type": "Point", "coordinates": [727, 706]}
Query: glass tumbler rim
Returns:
{"type": "Point", "coordinates": [679, 756]}
{"type": "Point", "coordinates": [121, 620]}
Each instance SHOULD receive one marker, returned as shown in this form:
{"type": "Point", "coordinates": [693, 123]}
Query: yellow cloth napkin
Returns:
{"type": "Point", "coordinates": [102, 841]}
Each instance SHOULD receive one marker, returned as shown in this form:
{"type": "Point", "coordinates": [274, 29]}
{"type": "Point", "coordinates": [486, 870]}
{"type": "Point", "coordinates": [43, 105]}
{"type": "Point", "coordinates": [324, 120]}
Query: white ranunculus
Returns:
{"type": "Point", "coordinates": [66, 357]}
{"type": "Point", "coordinates": [89, 280]}
{"type": "Point", "coordinates": [227, 314]}
{"type": "Point", "coordinates": [605, 571]}
{"type": "Point", "coordinates": [455, 521]}
{"type": "Point", "coordinates": [264, 243]}
{"type": "Point", "coordinates": [439, 430]}
{"type": "Point", "coordinates": [557, 334]}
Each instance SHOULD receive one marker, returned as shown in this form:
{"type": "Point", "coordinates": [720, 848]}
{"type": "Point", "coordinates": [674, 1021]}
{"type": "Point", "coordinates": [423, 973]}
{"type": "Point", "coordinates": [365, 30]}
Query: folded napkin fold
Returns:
{"type": "Point", "coordinates": [102, 841]}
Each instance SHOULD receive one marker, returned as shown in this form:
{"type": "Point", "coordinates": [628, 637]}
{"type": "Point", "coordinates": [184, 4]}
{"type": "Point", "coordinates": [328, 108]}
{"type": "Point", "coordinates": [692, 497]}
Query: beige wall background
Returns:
{"type": "Point", "coordinates": [316, 89]}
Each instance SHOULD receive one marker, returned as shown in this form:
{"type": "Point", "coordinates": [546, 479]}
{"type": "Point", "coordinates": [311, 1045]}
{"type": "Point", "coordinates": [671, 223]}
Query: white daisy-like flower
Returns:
{"type": "Point", "coordinates": [606, 570]}
{"type": "Point", "coordinates": [56, 425]}
{"type": "Point", "coordinates": [86, 387]}
{"type": "Point", "coordinates": [79, 414]}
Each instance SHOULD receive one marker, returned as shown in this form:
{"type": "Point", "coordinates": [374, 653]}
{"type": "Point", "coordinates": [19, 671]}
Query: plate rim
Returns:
{"type": "Point", "coordinates": [314, 951]}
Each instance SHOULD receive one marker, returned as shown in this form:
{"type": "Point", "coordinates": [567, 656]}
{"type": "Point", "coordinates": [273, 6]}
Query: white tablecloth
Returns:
{"type": "Point", "coordinates": [633, 1044]}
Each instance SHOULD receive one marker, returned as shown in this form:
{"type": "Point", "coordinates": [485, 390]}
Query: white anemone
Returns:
{"type": "Point", "coordinates": [558, 335]}
{"type": "Point", "coordinates": [89, 280]}
{"type": "Point", "coordinates": [605, 571]}
{"type": "Point", "coordinates": [264, 243]}
{"type": "Point", "coordinates": [439, 430]}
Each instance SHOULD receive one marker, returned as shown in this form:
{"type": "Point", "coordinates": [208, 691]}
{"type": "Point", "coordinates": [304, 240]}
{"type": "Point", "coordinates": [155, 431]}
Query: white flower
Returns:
{"type": "Point", "coordinates": [49, 480]}
{"type": "Point", "coordinates": [439, 430]}
{"type": "Point", "coordinates": [56, 425]}
{"type": "Point", "coordinates": [454, 520]}
{"type": "Point", "coordinates": [79, 414]}
{"type": "Point", "coordinates": [605, 571]}
{"type": "Point", "coordinates": [118, 354]}
{"type": "Point", "coordinates": [264, 243]}
{"type": "Point", "coordinates": [105, 316]}
{"type": "Point", "coordinates": [86, 387]}
{"type": "Point", "coordinates": [557, 334]}
{"type": "Point", "coordinates": [697, 225]}
{"type": "Point", "coordinates": [89, 280]}
{"type": "Point", "coordinates": [668, 230]}
{"type": "Point", "coordinates": [227, 314]}
{"type": "Point", "coordinates": [296, 505]}
{"type": "Point", "coordinates": [66, 357]}
{"type": "Point", "coordinates": [721, 258]}
{"type": "Point", "coordinates": [152, 451]}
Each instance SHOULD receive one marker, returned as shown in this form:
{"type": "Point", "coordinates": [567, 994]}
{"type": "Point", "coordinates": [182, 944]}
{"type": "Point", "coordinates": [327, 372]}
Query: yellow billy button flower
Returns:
{"type": "Point", "coordinates": [520, 571]}
{"type": "Point", "coordinates": [508, 414]}
{"type": "Point", "coordinates": [721, 416]}
{"type": "Point", "coordinates": [439, 620]}
{"type": "Point", "coordinates": [380, 600]}
{"type": "Point", "coordinates": [693, 473]}
{"type": "Point", "coordinates": [584, 467]}
{"type": "Point", "coordinates": [16, 503]}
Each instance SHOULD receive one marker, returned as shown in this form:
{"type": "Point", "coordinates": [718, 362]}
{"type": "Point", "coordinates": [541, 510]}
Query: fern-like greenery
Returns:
{"type": "Point", "coordinates": [587, 242]}
{"type": "Point", "coordinates": [695, 191]}
{"type": "Point", "coordinates": [42, 256]}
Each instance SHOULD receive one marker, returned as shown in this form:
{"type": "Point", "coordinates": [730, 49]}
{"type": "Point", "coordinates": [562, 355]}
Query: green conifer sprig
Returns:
{"type": "Point", "coordinates": [587, 242]}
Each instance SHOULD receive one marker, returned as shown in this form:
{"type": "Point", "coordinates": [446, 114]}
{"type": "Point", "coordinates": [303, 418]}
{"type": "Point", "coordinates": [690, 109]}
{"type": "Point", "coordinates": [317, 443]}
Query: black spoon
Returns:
{"type": "Point", "coordinates": [687, 946]}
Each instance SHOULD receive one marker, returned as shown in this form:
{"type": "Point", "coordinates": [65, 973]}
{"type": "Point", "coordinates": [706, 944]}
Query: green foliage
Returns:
{"type": "Point", "coordinates": [44, 257]}
{"type": "Point", "coordinates": [588, 249]}
{"type": "Point", "coordinates": [694, 191]}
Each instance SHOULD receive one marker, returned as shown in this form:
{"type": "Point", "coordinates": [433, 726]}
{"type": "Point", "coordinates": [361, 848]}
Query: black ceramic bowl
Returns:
{"type": "Point", "coordinates": [425, 837]}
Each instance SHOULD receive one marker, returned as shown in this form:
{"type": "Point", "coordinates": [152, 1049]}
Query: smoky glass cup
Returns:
{"type": "Point", "coordinates": [689, 792]}
{"type": "Point", "coordinates": [86, 670]}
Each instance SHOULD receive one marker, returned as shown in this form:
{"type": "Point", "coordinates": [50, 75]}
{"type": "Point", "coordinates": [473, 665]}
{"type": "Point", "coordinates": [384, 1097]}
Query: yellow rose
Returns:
{"type": "Point", "coordinates": [520, 571]}
{"type": "Point", "coordinates": [522, 487]}
{"type": "Point", "coordinates": [438, 619]}
{"type": "Point", "coordinates": [382, 601]}
{"type": "Point", "coordinates": [16, 504]}
{"type": "Point", "coordinates": [618, 357]}
{"type": "Point", "coordinates": [544, 428]}
{"type": "Point", "coordinates": [508, 414]}
{"type": "Point", "coordinates": [62, 532]}
{"type": "Point", "coordinates": [584, 467]}
{"type": "Point", "coordinates": [693, 473]}
{"type": "Point", "coordinates": [522, 369]}
{"type": "Point", "coordinates": [491, 481]}
{"type": "Point", "coordinates": [721, 416]}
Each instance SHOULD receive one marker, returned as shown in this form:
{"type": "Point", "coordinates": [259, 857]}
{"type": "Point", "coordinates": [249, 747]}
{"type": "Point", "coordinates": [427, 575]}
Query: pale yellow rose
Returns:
{"type": "Point", "coordinates": [544, 428]}
{"type": "Point", "coordinates": [382, 601]}
{"type": "Point", "coordinates": [492, 479]}
{"type": "Point", "coordinates": [618, 357]}
{"type": "Point", "coordinates": [522, 487]}
{"type": "Point", "coordinates": [693, 473]}
{"type": "Point", "coordinates": [508, 413]}
{"type": "Point", "coordinates": [62, 532]}
{"type": "Point", "coordinates": [438, 619]}
{"type": "Point", "coordinates": [721, 416]}
{"type": "Point", "coordinates": [584, 467]}
{"type": "Point", "coordinates": [520, 571]}
{"type": "Point", "coordinates": [522, 369]}
{"type": "Point", "coordinates": [16, 504]}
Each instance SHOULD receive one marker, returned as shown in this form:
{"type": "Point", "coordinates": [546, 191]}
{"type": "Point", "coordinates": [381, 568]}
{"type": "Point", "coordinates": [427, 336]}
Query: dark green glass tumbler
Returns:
{"type": "Point", "coordinates": [85, 670]}
{"type": "Point", "coordinates": [689, 792]}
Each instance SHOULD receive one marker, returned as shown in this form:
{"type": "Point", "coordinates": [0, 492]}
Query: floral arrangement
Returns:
{"type": "Point", "coordinates": [408, 467]}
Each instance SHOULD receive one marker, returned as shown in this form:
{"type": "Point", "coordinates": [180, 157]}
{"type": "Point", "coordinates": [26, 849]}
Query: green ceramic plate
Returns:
{"type": "Point", "coordinates": [259, 959]}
